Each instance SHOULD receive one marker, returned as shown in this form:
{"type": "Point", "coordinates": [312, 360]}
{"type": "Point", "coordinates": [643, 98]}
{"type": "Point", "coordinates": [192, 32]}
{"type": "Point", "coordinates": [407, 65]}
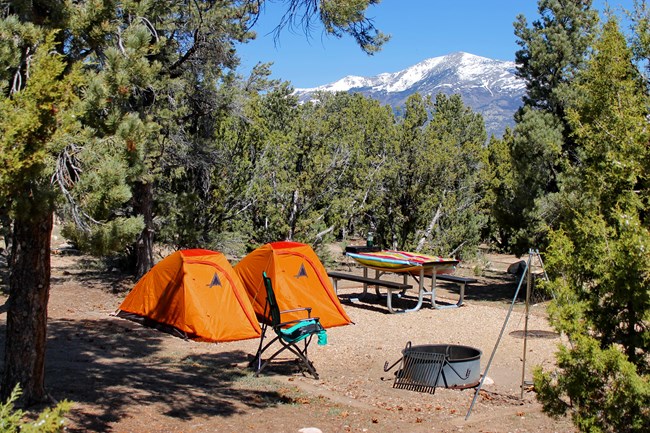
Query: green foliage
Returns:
{"type": "Point", "coordinates": [328, 170]}
{"type": "Point", "coordinates": [498, 178]}
{"type": "Point", "coordinates": [14, 35]}
{"type": "Point", "coordinates": [107, 238]}
{"type": "Point", "coordinates": [338, 17]}
{"type": "Point", "coordinates": [553, 51]}
{"type": "Point", "coordinates": [607, 389]}
{"type": "Point", "coordinates": [536, 158]}
{"type": "Point", "coordinates": [51, 420]}
{"type": "Point", "coordinates": [599, 254]}
{"type": "Point", "coordinates": [434, 204]}
{"type": "Point", "coordinates": [641, 36]}
{"type": "Point", "coordinates": [34, 123]}
{"type": "Point", "coordinates": [171, 127]}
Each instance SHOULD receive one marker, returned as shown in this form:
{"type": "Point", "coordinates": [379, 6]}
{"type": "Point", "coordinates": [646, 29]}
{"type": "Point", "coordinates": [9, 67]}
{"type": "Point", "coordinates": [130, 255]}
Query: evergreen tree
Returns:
{"type": "Point", "coordinates": [553, 50]}
{"type": "Point", "coordinates": [434, 205]}
{"type": "Point", "coordinates": [397, 217]}
{"type": "Point", "coordinates": [302, 171]}
{"type": "Point", "coordinates": [369, 140]}
{"type": "Point", "coordinates": [38, 118]}
{"type": "Point", "coordinates": [536, 160]}
{"type": "Point", "coordinates": [162, 72]}
{"type": "Point", "coordinates": [599, 253]}
{"type": "Point", "coordinates": [149, 58]}
{"type": "Point", "coordinates": [457, 136]}
{"type": "Point", "coordinates": [338, 17]}
{"type": "Point", "coordinates": [499, 190]}
{"type": "Point", "coordinates": [640, 17]}
{"type": "Point", "coordinates": [205, 193]}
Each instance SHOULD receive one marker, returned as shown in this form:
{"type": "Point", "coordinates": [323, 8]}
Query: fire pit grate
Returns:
{"type": "Point", "coordinates": [423, 368]}
{"type": "Point", "coordinates": [419, 371]}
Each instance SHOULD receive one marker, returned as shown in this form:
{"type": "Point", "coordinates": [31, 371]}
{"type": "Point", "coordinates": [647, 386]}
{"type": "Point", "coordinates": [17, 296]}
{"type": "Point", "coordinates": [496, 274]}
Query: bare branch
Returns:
{"type": "Point", "coordinates": [65, 175]}
{"type": "Point", "coordinates": [151, 28]}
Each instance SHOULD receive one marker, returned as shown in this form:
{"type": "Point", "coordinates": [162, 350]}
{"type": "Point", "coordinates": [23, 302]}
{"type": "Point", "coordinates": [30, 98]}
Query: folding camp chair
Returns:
{"type": "Point", "coordinates": [289, 334]}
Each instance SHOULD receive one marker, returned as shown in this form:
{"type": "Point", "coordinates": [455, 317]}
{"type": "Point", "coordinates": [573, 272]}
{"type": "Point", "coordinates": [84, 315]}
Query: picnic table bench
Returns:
{"type": "Point", "coordinates": [462, 282]}
{"type": "Point", "coordinates": [391, 286]}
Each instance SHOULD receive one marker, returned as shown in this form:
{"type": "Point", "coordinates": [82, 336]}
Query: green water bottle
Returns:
{"type": "Point", "coordinates": [369, 240]}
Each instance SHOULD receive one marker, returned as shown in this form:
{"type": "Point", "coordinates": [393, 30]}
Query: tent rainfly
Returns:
{"type": "Point", "coordinates": [299, 279]}
{"type": "Point", "coordinates": [195, 293]}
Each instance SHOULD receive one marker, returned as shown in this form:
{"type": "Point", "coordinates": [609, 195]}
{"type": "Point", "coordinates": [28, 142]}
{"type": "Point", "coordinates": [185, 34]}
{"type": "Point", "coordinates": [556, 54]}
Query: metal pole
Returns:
{"type": "Point", "coordinates": [528, 278]}
{"type": "Point", "coordinates": [494, 351]}
{"type": "Point", "coordinates": [541, 264]}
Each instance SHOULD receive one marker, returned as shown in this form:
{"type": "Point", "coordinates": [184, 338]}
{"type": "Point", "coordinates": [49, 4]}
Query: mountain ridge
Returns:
{"type": "Point", "coordinates": [488, 86]}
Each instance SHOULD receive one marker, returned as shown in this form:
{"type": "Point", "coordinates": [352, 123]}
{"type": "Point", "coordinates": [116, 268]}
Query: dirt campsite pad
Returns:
{"type": "Point", "coordinates": [127, 378]}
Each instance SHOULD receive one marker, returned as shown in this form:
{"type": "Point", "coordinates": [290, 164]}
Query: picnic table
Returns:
{"type": "Point", "coordinates": [407, 264]}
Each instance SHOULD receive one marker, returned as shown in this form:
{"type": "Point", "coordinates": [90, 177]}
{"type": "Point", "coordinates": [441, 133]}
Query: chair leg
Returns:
{"type": "Point", "coordinates": [303, 360]}
{"type": "Point", "coordinates": [256, 362]}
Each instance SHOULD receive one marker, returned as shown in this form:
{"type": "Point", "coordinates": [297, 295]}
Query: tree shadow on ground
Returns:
{"type": "Point", "coordinates": [499, 288]}
{"type": "Point", "coordinates": [4, 274]}
{"type": "Point", "coordinates": [92, 273]}
{"type": "Point", "coordinates": [108, 367]}
{"type": "Point", "coordinates": [495, 288]}
{"type": "Point", "coordinates": [502, 287]}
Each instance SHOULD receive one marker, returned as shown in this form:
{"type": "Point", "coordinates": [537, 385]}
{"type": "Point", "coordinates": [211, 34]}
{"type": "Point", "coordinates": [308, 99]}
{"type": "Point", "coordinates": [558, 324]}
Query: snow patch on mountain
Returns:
{"type": "Point", "coordinates": [488, 86]}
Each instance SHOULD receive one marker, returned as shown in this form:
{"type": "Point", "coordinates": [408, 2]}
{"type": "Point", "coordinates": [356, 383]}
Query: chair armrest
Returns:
{"type": "Point", "coordinates": [307, 309]}
{"type": "Point", "coordinates": [293, 322]}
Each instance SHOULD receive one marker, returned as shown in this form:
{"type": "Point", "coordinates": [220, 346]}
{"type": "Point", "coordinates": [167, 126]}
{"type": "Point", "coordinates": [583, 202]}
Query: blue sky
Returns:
{"type": "Point", "coordinates": [419, 29]}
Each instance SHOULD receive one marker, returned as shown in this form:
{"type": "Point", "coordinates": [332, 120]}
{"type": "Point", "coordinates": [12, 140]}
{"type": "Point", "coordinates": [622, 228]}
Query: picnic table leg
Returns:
{"type": "Point", "coordinates": [365, 285]}
{"type": "Point", "coordinates": [335, 283]}
{"type": "Point", "coordinates": [440, 307]}
{"type": "Point", "coordinates": [421, 293]}
{"type": "Point", "coordinates": [433, 289]}
{"type": "Point", "coordinates": [389, 303]}
{"type": "Point", "coordinates": [462, 294]}
{"type": "Point", "coordinates": [377, 275]}
{"type": "Point", "coordinates": [432, 292]}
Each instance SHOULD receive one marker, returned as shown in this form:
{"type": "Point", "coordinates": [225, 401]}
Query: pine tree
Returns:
{"type": "Point", "coordinates": [457, 136]}
{"type": "Point", "coordinates": [146, 59]}
{"type": "Point", "coordinates": [158, 94]}
{"type": "Point", "coordinates": [38, 118]}
{"type": "Point", "coordinates": [553, 50]}
{"type": "Point", "coordinates": [599, 254]}
{"type": "Point", "coordinates": [433, 206]}
{"type": "Point", "coordinates": [499, 190]}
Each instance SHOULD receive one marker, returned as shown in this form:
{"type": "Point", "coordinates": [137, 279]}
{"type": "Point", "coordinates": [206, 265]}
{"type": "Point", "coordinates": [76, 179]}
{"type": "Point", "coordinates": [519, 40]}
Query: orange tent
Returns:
{"type": "Point", "coordinates": [197, 293]}
{"type": "Point", "coordinates": [299, 279]}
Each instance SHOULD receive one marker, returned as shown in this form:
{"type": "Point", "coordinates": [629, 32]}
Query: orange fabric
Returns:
{"type": "Point", "coordinates": [299, 280]}
{"type": "Point", "coordinates": [198, 292]}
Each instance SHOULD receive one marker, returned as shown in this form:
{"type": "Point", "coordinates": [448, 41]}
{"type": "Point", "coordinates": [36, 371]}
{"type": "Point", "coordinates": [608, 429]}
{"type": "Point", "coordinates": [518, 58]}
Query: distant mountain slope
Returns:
{"type": "Point", "coordinates": [488, 86]}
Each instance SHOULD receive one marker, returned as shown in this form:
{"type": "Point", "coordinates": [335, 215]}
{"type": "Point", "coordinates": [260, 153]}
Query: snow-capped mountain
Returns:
{"type": "Point", "coordinates": [488, 86]}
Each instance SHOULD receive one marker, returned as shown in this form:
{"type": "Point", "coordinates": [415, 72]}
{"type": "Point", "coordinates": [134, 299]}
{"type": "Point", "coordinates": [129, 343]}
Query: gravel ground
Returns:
{"type": "Point", "coordinates": [126, 378]}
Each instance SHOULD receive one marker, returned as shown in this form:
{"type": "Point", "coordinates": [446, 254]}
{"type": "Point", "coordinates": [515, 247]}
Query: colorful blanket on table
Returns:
{"type": "Point", "coordinates": [404, 261]}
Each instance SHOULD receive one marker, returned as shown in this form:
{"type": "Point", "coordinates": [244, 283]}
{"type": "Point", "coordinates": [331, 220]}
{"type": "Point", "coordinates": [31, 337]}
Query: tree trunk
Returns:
{"type": "Point", "coordinates": [430, 227]}
{"type": "Point", "coordinates": [29, 290]}
{"type": "Point", "coordinates": [143, 205]}
{"type": "Point", "coordinates": [293, 217]}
